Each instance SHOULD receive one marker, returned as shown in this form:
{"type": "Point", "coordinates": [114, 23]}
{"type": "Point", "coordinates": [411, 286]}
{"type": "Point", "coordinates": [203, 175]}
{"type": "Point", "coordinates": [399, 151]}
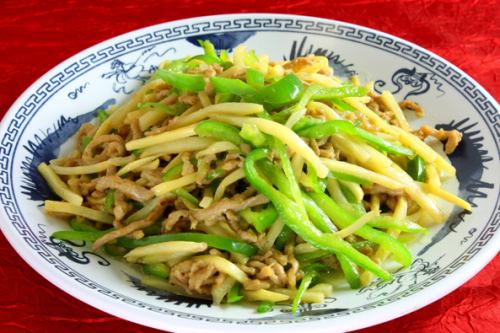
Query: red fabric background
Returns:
{"type": "Point", "coordinates": [36, 35]}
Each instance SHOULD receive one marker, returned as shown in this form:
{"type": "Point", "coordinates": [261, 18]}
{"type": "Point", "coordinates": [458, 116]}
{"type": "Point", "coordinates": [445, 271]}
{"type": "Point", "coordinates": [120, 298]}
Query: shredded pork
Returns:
{"type": "Point", "coordinates": [126, 186]}
{"type": "Point", "coordinates": [451, 138]}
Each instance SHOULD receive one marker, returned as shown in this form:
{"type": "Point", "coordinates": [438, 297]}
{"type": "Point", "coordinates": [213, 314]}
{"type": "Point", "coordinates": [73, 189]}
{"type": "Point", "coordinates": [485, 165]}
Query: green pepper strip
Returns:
{"type": "Point", "coordinates": [306, 97]}
{"type": "Point", "coordinates": [388, 222]}
{"type": "Point", "coordinates": [102, 115]}
{"type": "Point", "coordinates": [349, 178]}
{"type": "Point", "coordinates": [296, 194]}
{"type": "Point", "coordinates": [314, 183]}
{"type": "Point", "coordinates": [85, 141]}
{"type": "Point", "coordinates": [234, 295]}
{"type": "Point", "coordinates": [255, 78]}
{"type": "Point", "coordinates": [284, 91]}
{"type": "Point", "coordinates": [225, 98]}
{"type": "Point", "coordinates": [159, 270]}
{"type": "Point", "coordinates": [323, 223]}
{"type": "Point", "coordinates": [173, 172]}
{"type": "Point", "coordinates": [292, 216]}
{"type": "Point", "coordinates": [173, 111]}
{"type": "Point", "coordinates": [343, 218]}
{"type": "Point", "coordinates": [80, 224]}
{"type": "Point", "coordinates": [306, 122]}
{"type": "Point", "coordinates": [181, 81]}
{"type": "Point", "coordinates": [341, 105]}
{"type": "Point", "coordinates": [252, 134]}
{"type": "Point", "coordinates": [232, 86]}
{"type": "Point", "coordinates": [218, 242]}
{"type": "Point", "coordinates": [343, 126]}
{"type": "Point", "coordinates": [304, 284]}
{"type": "Point", "coordinates": [283, 238]}
{"type": "Point", "coordinates": [416, 168]}
{"type": "Point", "coordinates": [265, 306]}
{"type": "Point", "coordinates": [318, 216]}
{"type": "Point", "coordinates": [180, 192]}
{"type": "Point", "coordinates": [339, 92]}
{"type": "Point", "coordinates": [311, 272]}
{"type": "Point", "coordinates": [262, 219]}
{"type": "Point", "coordinates": [350, 272]}
{"type": "Point", "coordinates": [109, 201]}
{"type": "Point", "coordinates": [209, 49]}
{"type": "Point", "coordinates": [219, 130]}
{"type": "Point", "coordinates": [70, 235]}
{"type": "Point", "coordinates": [251, 58]}
{"type": "Point", "coordinates": [114, 250]}
{"type": "Point", "coordinates": [312, 256]}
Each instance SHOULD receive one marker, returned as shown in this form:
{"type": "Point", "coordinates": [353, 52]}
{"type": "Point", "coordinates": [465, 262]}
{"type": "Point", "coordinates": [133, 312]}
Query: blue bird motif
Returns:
{"type": "Point", "coordinates": [469, 159]}
{"type": "Point", "coordinates": [340, 67]}
{"type": "Point", "coordinates": [223, 40]}
{"type": "Point", "coordinates": [127, 76]}
{"type": "Point", "coordinates": [168, 296]}
{"type": "Point", "coordinates": [45, 146]}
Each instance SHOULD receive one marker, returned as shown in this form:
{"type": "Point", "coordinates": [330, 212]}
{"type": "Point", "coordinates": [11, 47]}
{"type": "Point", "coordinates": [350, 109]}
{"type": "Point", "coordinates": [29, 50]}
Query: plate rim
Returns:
{"type": "Point", "coordinates": [61, 281]}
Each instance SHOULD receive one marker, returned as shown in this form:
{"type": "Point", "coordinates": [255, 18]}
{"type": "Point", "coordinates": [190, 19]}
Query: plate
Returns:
{"type": "Point", "coordinates": [39, 124]}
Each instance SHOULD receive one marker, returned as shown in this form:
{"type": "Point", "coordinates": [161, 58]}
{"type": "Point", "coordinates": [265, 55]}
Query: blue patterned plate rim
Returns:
{"type": "Point", "coordinates": [484, 252]}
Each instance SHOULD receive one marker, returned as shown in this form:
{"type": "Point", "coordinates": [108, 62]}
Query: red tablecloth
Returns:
{"type": "Point", "coordinates": [36, 35]}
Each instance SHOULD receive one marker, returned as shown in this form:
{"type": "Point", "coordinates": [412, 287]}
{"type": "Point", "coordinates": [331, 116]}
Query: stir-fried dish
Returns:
{"type": "Point", "coordinates": [238, 178]}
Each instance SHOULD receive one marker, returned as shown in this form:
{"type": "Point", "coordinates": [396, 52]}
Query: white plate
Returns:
{"type": "Point", "coordinates": [53, 108]}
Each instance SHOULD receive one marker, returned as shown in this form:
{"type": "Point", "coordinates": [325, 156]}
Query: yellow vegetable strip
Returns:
{"type": "Point", "coordinates": [223, 265]}
{"type": "Point", "coordinates": [381, 255]}
{"type": "Point", "coordinates": [239, 55]}
{"type": "Point", "coordinates": [206, 201]}
{"type": "Point", "coordinates": [324, 109]}
{"type": "Point", "coordinates": [324, 288]}
{"type": "Point", "coordinates": [336, 192]}
{"type": "Point", "coordinates": [319, 79]}
{"type": "Point", "coordinates": [58, 186]}
{"type": "Point", "coordinates": [135, 164]}
{"type": "Point", "coordinates": [286, 135]}
{"type": "Point", "coordinates": [295, 117]}
{"type": "Point", "coordinates": [264, 295]}
{"type": "Point", "coordinates": [171, 185]}
{"type": "Point", "coordinates": [217, 147]}
{"type": "Point", "coordinates": [297, 165]}
{"type": "Point", "coordinates": [382, 164]}
{"type": "Point", "coordinates": [204, 99]}
{"type": "Point", "coordinates": [374, 202]}
{"type": "Point", "coordinates": [228, 180]}
{"type": "Point", "coordinates": [355, 189]}
{"type": "Point", "coordinates": [173, 162]}
{"type": "Point", "coordinates": [352, 228]}
{"type": "Point", "coordinates": [447, 196]}
{"type": "Point", "coordinates": [150, 166]}
{"type": "Point", "coordinates": [240, 109]}
{"type": "Point", "coordinates": [360, 172]}
{"type": "Point", "coordinates": [92, 168]}
{"type": "Point", "coordinates": [165, 249]}
{"type": "Point", "coordinates": [68, 208]}
{"type": "Point", "coordinates": [432, 175]}
{"type": "Point", "coordinates": [422, 149]}
{"type": "Point", "coordinates": [391, 103]}
{"type": "Point", "coordinates": [150, 118]}
{"type": "Point", "coordinates": [118, 116]}
{"type": "Point", "coordinates": [406, 138]}
{"type": "Point", "coordinates": [179, 146]}
{"type": "Point", "coordinates": [169, 136]}
{"type": "Point", "coordinates": [349, 144]}
{"type": "Point", "coordinates": [308, 297]}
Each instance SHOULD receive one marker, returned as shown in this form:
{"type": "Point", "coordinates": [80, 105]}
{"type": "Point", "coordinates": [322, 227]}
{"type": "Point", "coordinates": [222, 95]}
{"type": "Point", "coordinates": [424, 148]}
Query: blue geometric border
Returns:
{"type": "Point", "coordinates": [60, 80]}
